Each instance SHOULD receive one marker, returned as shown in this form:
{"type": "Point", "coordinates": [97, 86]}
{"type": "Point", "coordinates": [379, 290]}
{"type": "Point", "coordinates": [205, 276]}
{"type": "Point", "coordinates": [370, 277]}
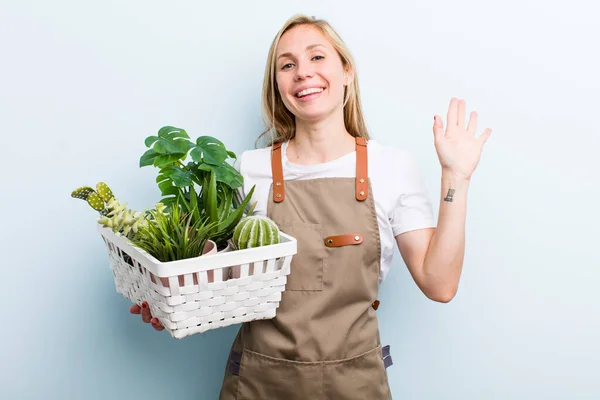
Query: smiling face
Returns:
{"type": "Point", "coordinates": [310, 74]}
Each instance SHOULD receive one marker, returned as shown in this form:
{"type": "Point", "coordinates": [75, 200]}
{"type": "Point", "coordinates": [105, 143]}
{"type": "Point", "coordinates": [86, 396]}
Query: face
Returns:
{"type": "Point", "coordinates": [309, 73]}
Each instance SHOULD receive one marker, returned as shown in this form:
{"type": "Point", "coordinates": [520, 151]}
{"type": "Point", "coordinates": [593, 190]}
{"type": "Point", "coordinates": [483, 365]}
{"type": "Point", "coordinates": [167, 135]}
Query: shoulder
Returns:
{"type": "Point", "coordinates": [388, 156]}
{"type": "Point", "coordinates": [254, 163]}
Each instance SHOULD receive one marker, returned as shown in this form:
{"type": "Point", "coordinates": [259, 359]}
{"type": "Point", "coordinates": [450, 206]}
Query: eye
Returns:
{"type": "Point", "coordinates": [285, 66]}
{"type": "Point", "coordinates": [318, 57]}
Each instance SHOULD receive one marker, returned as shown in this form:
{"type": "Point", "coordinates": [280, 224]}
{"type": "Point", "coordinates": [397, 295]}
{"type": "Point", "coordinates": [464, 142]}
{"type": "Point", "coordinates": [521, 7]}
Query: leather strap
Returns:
{"type": "Point", "coordinates": [277, 170]}
{"type": "Point", "coordinates": [362, 170]}
{"type": "Point", "coordinates": [344, 240]}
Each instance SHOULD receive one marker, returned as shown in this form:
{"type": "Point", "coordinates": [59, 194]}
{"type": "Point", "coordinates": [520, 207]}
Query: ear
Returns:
{"type": "Point", "coordinates": [348, 76]}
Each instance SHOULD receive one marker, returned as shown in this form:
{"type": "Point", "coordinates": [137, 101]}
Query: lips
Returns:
{"type": "Point", "coordinates": [307, 91]}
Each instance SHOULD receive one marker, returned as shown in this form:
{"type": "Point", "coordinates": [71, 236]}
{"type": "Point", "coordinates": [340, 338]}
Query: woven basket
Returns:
{"type": "Point", "coordinates": [198, 294]}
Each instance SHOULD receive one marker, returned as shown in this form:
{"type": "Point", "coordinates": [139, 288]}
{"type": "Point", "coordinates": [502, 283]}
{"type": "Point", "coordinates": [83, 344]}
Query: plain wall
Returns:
{"type": "Point", "coordinates": [83, 83]}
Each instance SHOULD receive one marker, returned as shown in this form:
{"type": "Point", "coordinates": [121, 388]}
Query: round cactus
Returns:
{"type": "Point", "coordinates": [254, 231]}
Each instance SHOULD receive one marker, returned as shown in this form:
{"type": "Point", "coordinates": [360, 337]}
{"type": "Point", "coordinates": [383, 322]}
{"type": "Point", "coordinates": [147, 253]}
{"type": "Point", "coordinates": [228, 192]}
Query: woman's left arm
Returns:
{"type": "Point", "coordinates": [435, 256]}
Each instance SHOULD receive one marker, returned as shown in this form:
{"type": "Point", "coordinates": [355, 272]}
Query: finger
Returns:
{"type": "Point", "coordinates": [135, 309]}
{"type": "Point", "coordinates": [472, 127]}
{"type": "Point", "coordinates": [452, 112]}
{"type": "Point", "coordinates": [461, 113]}
{"type": "Point", "coordinates": [438, 127]}
{"type": "Point", "coordinates": [146, 315]}
{"type": "Point", "coordinates": [156, 324]}
{"type": "Point", "coordinates": [485, 136]}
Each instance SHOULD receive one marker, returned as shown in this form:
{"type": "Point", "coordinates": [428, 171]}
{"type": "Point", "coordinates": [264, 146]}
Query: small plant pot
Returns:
{"type": "Point", "coordinates": [209, 248]}
{"type": "Point", "coordinates": [226, 270]}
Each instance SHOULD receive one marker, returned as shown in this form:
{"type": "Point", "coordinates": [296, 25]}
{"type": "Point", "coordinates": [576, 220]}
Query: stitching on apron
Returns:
{"type": "Point", "coordinates": [283, 360]}
{"type": "Point", "coordinates": [234, 360]}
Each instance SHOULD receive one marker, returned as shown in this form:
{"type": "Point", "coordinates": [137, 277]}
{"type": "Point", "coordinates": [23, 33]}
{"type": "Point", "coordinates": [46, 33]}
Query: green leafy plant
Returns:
{"type": "Point", "coordinates": [172, 235]}
{"type": "Point", "coordinates": [217, 198]}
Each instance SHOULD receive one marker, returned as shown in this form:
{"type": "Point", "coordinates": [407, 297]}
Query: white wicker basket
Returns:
{"type": "Point", "coordinates": [200, 294]}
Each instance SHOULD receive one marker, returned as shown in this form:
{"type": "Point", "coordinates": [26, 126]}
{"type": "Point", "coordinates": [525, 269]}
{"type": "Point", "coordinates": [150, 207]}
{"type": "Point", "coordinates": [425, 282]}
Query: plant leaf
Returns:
{"type": "Point", "coordinates": [148, 158]}
{"type": "Point", "coordinates": [167, 159]}
{"type": "Point", "coordinates": [209, 150]}
{"type": "Point", "coordinates": [179, 176]}
{"type": "Point", "coordinates": [229, 175]}
{"type": "Point", "coordinates": [170, 140]}
{"type": "Point", "coordinates": [211, 199]}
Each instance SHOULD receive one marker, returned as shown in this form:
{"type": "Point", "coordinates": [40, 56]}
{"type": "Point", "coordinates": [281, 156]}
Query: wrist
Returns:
{"type": "Point", "coordinates": [455, 176]}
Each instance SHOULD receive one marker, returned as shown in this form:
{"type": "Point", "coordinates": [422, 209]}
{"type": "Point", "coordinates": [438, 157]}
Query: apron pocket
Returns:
{"type": "Point", "coordinates": [308, 263]}
{"type": "Point", "coordinates": [268, 378]}
{"type": "Point", "coordinates": [361, 377]}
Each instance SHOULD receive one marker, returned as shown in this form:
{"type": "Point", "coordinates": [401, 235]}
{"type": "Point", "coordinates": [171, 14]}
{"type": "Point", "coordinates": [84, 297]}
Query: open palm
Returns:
{"type": "Point", "coordinates": [457, 147]}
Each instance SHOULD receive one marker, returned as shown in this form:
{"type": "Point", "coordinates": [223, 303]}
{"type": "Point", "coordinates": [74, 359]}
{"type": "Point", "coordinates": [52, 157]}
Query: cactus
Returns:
{"type": "Point", "coordinates": [254, 231]}
{"type": "Point", "coordinates": [104, 191]}
{"type": "Point", "coordinates": [90, 195]}
{"type": "Point", "coordinates": [113, 214]}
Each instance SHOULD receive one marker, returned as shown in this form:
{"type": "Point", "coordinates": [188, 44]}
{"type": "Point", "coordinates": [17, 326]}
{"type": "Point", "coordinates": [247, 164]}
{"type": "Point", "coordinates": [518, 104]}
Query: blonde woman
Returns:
{"type": "Point", "coordinates": [348, 200]}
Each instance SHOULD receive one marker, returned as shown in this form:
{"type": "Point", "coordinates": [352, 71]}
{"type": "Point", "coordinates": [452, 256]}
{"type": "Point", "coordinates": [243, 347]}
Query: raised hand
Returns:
{"type": "Point", "coordinates": [457, 147]}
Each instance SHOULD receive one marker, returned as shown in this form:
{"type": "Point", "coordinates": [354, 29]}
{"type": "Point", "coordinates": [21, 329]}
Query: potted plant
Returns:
{"type": "Point", "coordinates": [165, 235]}
{"type": "Point", "coordinates": [172, 236]}
{"type": "Point", "coordinates": [217, 198]}
{"type": "Point", "coordinates": [168, 255]}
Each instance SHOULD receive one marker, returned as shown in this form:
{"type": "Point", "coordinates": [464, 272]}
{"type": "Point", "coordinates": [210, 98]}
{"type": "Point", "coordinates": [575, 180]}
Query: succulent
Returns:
{"type": "Point", "coordinates": [172, 236]}
{"type": "Point", "coordinates": [122, 220]}
{"type": "Point", "coordinates": [254, 231]}
{"type": "Point", "coordinates": [113, 214]}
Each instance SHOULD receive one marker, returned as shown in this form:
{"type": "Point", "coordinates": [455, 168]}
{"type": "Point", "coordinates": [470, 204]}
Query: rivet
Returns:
{"type": "Point", "coordinates": [362, 180]}
{"type": "Point", "coordinates": [357, 238]}
{"type": "Point", "coordinates": [278, 184]}
{"type": "Point", "coordinates": [278, 195]}
{"type": "Point", "coordinates": [362, 193]}
{"type": "Point", "coordinates": [330, 241]}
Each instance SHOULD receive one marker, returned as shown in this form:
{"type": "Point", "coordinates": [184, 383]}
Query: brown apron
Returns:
{"type": "Point", "coordinates": [324, 342]}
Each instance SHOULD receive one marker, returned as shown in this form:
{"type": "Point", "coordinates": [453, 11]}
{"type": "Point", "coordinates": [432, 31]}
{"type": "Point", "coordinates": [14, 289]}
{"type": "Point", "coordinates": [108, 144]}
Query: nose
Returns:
{"type": "Point", "coordinates": [303, 71]}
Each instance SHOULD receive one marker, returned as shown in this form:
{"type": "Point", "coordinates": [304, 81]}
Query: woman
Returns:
{"type": "Point", "coordinates": [347, 200]}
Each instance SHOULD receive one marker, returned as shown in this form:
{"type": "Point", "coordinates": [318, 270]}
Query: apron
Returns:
{"type": "Point", "coordinates": [324, 341]}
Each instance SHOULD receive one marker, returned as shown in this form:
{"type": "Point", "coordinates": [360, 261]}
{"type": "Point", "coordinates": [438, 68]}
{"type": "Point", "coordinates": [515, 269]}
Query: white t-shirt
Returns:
{"type": "Point", "coordinates": [401, 201]}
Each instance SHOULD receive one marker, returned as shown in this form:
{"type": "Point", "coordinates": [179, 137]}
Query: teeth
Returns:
{"type": "Point", "coordinates": [309, 91]}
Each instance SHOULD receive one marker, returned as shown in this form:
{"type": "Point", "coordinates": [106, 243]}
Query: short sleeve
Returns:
{"type": "Point", "coordinates": [237, 164]}
{"type": "Point", "coordinates": [412, 207]}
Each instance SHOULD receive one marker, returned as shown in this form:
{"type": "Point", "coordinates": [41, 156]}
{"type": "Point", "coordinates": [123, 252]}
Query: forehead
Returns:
{"type": "Point", "coordinates": [297, 39]}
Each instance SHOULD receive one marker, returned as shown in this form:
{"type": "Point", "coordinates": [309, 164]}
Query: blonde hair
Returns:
{"type": "Point", "coordinates": [279, 121]}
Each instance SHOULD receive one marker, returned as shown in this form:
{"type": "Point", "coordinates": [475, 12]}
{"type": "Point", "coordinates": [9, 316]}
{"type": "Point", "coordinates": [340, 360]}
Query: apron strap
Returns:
{"type": "Point", "coordinates": [277, 171]}
{"type": "Point", "coordinates": [362, 171]}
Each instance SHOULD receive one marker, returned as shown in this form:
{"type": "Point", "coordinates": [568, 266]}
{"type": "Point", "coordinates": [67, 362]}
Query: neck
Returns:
{"type": "Point", "coordinates": [320, 141]}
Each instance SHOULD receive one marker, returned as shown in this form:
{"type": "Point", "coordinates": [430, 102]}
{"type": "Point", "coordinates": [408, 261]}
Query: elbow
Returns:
{"type": "Point", "coordinates": [443, 296]}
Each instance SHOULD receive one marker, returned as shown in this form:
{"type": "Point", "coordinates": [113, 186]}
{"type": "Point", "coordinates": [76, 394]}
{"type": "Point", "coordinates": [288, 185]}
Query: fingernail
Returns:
{"type": "Point", "coordinates": [144, 305]}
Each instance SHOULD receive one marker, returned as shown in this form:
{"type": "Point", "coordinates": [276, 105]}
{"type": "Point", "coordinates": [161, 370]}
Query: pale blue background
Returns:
{"type": "Point", "coordinates": [83, 83]}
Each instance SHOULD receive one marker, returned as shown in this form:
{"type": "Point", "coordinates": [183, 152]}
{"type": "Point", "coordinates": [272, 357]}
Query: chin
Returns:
{"type": "Point", "coordinates": [315, 114]}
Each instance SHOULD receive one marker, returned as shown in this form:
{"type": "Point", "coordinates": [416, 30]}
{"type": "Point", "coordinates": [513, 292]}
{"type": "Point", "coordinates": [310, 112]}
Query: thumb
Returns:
{"type": "Point", "coordinates": [438, 127]}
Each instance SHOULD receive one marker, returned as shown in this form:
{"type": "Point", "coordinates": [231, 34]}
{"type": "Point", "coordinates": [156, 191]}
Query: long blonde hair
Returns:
{"type": "Point", "coordinates": [279, 121]}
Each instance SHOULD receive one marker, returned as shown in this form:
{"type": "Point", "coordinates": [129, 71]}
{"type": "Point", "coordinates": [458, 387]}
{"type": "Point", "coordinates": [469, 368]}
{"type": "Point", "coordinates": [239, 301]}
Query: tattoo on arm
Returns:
{"type": "Point", "coordinates": [449, 197]}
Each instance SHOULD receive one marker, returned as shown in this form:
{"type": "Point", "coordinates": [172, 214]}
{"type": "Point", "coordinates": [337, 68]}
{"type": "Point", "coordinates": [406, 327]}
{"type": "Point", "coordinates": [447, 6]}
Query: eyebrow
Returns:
{"type": "Point", "coordinates": [309, 47]}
